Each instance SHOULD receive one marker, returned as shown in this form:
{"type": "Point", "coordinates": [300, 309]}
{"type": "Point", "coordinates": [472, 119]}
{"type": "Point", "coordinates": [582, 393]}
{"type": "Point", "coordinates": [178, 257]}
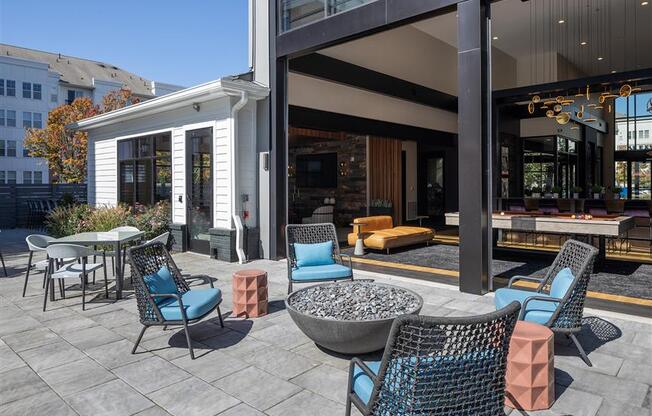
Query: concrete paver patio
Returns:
{"type": "Point", "coordinates": [66, 361]}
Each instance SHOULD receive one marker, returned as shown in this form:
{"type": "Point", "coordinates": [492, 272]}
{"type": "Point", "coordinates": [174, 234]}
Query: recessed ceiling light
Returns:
{"type": "Point", "coordinates": [560, 21]}
{"type": "Point", "coordinates": [583, 43]}
{"type": "Point", "coordinates": [600, 58]}
{"type": "Point", "coordinates": [495, 37]}
{"type": "Point", "coordinates": [644, 3]}
{"type": "Point", "coordinates": [613, 72]}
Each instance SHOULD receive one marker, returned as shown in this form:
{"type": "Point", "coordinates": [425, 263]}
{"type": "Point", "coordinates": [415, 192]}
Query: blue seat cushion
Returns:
{"type": "Point", "coordinates": [561, 283]}
{"type": "Point", "coordinates": [537, 310]}
{"type": "Point", "coordinates": [196, 302]}
{"type": "Point", "coordinates": [325, 272]}
{"type": "Point", "coordinates": [362, 383]}
{"type": "Point", "coordinates": [161, 283]}
{"type": "Point", "coordinates": [318, 254]}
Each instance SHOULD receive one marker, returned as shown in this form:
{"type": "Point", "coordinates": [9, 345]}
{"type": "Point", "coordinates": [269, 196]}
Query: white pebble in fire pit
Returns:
{"type": "Point", "coordinates": [360, 301]}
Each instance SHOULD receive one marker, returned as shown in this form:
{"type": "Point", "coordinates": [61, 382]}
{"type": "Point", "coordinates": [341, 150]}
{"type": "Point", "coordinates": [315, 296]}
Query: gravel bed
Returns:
{"type": "Point", "coordinates": [361, 301]}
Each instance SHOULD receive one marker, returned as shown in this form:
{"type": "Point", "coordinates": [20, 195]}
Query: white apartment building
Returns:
{"type": "Point", "coordinates": [34, 82]}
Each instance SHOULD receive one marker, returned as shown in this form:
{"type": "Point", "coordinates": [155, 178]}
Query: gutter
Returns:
{"type": "Point", "coordinates": [235, 194]}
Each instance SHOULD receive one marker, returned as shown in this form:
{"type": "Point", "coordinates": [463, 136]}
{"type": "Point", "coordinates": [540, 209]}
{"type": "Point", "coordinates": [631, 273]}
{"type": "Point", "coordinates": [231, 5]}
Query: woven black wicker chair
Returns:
{"type": "Point", "coordinates": [184, 307]}
{"type": "Point", "coordinates": [559, 309]}
{"type": "Point", "coordinates": [437, 366]}
{"type": "Point", "coordinates": [312, 234]}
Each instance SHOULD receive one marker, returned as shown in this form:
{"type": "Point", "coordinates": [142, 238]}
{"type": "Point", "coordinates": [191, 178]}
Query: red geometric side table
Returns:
{"type": "Point", "coordinates": [530, 378]}
{"type": "Point", "coordinates": [250, 293]}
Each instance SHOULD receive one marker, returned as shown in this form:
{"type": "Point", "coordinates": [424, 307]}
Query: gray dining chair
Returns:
{"type": "Point", "coordinates": [163, 238]}
{"type": "Point", "coordinates": [58, 253]}
{"type": "Point", "coordinates": [36, 243]}
{"type": "Point", "coordinates": [111, 253]}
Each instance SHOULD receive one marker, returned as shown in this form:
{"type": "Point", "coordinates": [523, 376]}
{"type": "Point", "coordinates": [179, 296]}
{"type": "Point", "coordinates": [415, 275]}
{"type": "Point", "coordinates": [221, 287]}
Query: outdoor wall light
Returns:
{"type": "Point", "coordinates": [196, 107]}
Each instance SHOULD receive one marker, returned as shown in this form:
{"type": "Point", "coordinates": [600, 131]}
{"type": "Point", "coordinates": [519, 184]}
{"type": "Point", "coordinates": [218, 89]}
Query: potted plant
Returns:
{"type": "Point", "coordinates": [556, 190]}
{"type": "Point", "coordinates": [577, 190]}
{"type": "Point", "coordinates": [536, 192]}
{"type": "Point", "coordinates": [617, 191]}
{"type": "Point", "coordinates": [597, 191]}
{"type": "Point", "coordinates": [380, 207]}
{"type": "Point", "coordinates": [527, 192]}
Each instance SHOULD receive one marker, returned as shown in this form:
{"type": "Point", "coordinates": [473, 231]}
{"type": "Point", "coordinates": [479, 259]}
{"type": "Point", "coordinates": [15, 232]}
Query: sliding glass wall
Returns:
{"type": "Point", "coordinates": [145, 175]}
{"type": "Point", "coordinates": [549, 162]}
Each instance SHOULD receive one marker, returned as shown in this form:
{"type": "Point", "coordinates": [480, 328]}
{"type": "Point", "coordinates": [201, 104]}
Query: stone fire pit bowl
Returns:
{"type": "Point", "coordinates": [352, 317]}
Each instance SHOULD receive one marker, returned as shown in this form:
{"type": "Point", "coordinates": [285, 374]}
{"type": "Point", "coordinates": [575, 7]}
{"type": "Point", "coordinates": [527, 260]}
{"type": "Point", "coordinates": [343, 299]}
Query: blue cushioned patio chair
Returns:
{"type": "Point", "coordinates": [313, 254]}
{"type": "Point", "coordinates": [558, 301]}
{"type": "Point", "coordinates": [163, 296]}
{"type": "Point", "coordinates": [437, 366]}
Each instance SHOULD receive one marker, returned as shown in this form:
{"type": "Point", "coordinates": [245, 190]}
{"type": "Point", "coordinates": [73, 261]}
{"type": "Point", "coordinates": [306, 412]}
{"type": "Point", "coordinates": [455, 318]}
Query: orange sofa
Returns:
{"type": "Point", "coordinates": [379, 233]}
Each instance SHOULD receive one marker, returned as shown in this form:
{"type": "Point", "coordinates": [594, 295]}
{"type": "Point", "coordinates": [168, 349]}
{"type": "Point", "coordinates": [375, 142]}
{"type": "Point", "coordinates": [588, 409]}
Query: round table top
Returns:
{"type": "Point", "coordinates": [249, 273]}
{"type": "Point", "coordinates": [531, 331]}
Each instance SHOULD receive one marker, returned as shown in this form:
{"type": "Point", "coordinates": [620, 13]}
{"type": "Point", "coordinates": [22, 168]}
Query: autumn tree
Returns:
{"type": "Point", "coordinates": [65, 150]}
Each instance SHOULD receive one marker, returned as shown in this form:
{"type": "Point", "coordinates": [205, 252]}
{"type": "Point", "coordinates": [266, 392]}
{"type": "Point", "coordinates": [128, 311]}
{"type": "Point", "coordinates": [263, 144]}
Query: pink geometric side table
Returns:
{"type": "Point", "coordinates": [250, 293]}
{"type": "Point", "coordinates": [530, 378]}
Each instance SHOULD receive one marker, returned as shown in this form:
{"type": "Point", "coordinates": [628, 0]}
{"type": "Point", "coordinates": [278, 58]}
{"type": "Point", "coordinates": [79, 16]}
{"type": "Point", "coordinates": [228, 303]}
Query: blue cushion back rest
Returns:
{"type": "Point", "coordinates": [561, 283]}
{"type": "Point", "coordinates": [161, 282]}
{"type": "Point", "coordinates": [318, 254]}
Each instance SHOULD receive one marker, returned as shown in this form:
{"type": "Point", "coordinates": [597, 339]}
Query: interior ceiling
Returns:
{"type": "Point", "coordinates": [618, 31]}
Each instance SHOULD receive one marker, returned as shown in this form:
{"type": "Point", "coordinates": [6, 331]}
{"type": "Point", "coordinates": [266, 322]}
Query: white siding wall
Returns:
{"type": "Point", "coordinates": [102, 172]}
{"type": "Point", "coordinates": [247, 162]}
{"type": "Point", "coordinates": [179, 175]}
{"type": "Point", "coordinates": [222, 173]}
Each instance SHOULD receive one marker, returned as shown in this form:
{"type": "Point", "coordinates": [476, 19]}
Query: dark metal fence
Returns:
{"type": "Point", "coordinates": [19, 202]}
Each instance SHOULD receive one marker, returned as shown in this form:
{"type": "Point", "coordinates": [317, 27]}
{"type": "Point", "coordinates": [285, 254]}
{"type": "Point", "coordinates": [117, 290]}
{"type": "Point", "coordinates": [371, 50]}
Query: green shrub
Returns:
{"type": "Point", "coordinates": [77, 218]}
{"type": "Point", "coordinates": [67, 219]}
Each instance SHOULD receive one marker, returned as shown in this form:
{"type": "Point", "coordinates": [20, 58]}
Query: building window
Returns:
{"type": "Point", "coordinates": [11, 148]}
{"type": "Point", "coordinates": [11, 88]}
{"type": "Point", "coordinates": [2, 117]}
{"type": "Point", "coordinates": [2, 87]}
{"type": "Point", "coordinates": [11, 177]}
{"type": "Point", "coordinates": [3, 148]}
{"type": "Point", "coordinates": [2, 176]}
{"type": "Point", "coordinates": [38, 178]}
{"type": "Point", "coordinates": [145, 169]}
{"type": "Point", "coordinates": [27, 119]}
{"type": "Point", "coordinates": [27, 90]}
{"type": "Point", "coordinates": [73, 95]}
{"type": "Point", "coordinates": [27, 177]}
{"type": "Point", "coordinates": [26, 152]}
{"type": "Point", "coordinates": [36, 91]}
{"type": "Point", "coordinates": [11, 118]}
{"type": "Point", "coordinates": [37, 121]}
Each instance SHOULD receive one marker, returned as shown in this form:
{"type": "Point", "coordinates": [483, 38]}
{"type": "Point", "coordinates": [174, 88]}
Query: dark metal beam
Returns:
{"type": "Point", "coordinates": [361, 21]}
{"type": "Point", "coordinates": [474, 145]}
{"type": "Point", "coordinates": [325, 67]}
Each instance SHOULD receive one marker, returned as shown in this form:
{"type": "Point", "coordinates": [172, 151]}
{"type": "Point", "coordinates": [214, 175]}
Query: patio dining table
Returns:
{"type": "Point", "coordinates": [117, 239]}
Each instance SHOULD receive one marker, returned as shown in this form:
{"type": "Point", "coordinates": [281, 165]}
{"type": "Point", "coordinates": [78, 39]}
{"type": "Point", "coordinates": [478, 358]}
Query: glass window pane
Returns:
{"type": "Point", "coordinates": [2, 117]}
{"type": "Point", "coordinates": [11, 176]}
{"type": "Point", "coordinates": [127, 182]}
{"type": "Point", "coordinates": [11, 118]}
{"type": "Point", "coordinates": [2, 176]}
{"type": "Point", "coordinates": [125, 149]}
{"type": "Point", "coordinates": [295, 13]}
{"type": "Point", "coordinates": [36, 88]}
{"type": "Point", "coordinates": [641, 180]}
{"type": "Point", "coordinates": [145, 146]}
{"type": "Point", "coordinates": [163, 146]}
{"type": "Point", "coordinates": [37, 121]}
{"type": "Point", "coordinates": [144, 185]}
{"type": "Point", "coordinates": [11, 88]}
{"type": "Point", "coordinates": [2, 148]}
{"type": "Point", "coordinates": [27, 90]}
{"type": "Point", "coordinates": [11, 148]}
{"type": "Point", "coordinates": [2, 87]}
{"type": "Point", "coordinates": [27, 119]}
{"type": "Point", "coordinates": [27, 177]}
{"type": "Point", "coordinates": [38, 178]}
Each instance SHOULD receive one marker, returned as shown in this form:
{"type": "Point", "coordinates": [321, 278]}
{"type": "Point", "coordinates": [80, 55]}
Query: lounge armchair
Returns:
{"type": "Point", "coordinates": [379, 233]}
{"type": "Point", "coordinates": [163, 296]}
{"type": "Point", "coordinates": [562, 306]}
{"type": "Point", "coordinates": [320, 215]}
{"type": "Point", "coordinates": [313, 255]}
{"type": "Point", "coordinates": [437, 366]}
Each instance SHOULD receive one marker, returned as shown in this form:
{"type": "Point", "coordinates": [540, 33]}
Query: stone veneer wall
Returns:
{"type": "Point", "coordinates": [351, 192]}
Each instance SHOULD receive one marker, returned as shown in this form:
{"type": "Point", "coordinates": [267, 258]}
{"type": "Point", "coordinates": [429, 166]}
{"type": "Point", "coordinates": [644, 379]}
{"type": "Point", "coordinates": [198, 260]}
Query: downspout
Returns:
{"type": "Point", "coordinates": [237, 221]}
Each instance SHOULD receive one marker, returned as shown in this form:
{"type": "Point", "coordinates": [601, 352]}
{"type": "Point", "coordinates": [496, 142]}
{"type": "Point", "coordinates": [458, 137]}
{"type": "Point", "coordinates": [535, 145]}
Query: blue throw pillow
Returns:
{"type": "Point", "coordinates": [561, 283]}
{"type": "Point", "coordinates": [160, 283]}
{"type": "Point", "coordinates": [319, 254]}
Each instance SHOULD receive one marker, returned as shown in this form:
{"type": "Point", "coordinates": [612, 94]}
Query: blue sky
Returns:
{"type": "Point", "coordinates": [181, 42]}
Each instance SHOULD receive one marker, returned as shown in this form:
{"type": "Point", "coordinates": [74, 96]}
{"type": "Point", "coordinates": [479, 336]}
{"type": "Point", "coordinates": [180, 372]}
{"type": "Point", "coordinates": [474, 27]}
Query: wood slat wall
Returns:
{"type": "Point", "coordinates": [14, 210]}
{"type": "Point", "coordinates": [385, 173]}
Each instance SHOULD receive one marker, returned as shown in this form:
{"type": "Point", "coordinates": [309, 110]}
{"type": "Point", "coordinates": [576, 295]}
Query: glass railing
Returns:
{"type": "Point", "coordinates": [297, 13]}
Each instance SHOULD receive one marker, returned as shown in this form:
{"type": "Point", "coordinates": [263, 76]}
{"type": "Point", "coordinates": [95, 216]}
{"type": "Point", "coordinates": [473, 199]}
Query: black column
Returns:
{"type": "Point", "coordinates": [278, 157]}
{"type": "Point", "coordinates": [474, 144]}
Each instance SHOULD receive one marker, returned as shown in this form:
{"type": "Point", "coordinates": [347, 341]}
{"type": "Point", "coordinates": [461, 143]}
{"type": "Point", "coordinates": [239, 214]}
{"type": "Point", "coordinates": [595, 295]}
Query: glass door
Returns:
{"type": "Point", "coordinates": [435, 186]}
{"type": "Point", "coordinates": [199, 185]}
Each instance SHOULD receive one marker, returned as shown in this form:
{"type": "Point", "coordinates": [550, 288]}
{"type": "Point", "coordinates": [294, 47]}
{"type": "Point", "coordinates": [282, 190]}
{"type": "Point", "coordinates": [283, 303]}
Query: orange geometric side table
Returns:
{"type": "Point", "coordinates": [530, 377]}
{"type": "Point", "coordinates": [250, 293]}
